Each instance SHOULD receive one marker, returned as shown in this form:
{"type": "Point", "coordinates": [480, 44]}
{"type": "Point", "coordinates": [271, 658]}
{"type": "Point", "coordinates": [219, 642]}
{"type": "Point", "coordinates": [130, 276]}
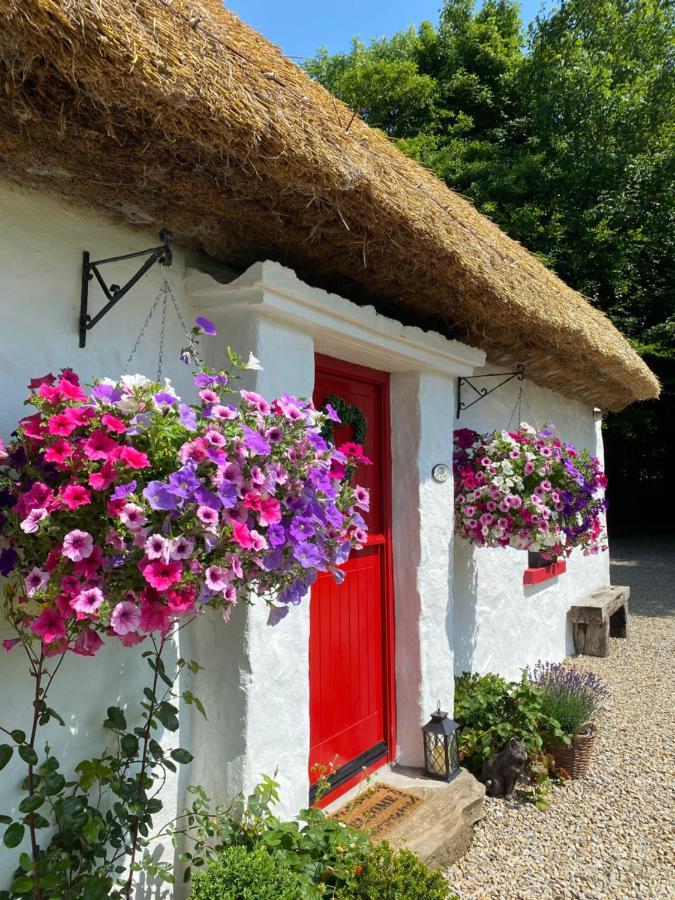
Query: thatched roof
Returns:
{"type": "Point", "coordinates": [174, 113]}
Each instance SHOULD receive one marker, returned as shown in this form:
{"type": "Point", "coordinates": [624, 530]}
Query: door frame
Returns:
{"type": "Point", "coordinates": [332, 366]}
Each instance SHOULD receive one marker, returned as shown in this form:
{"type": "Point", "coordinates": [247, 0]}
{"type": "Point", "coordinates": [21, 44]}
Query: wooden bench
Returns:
{"type": "Point", "coordinates": [601, 615]}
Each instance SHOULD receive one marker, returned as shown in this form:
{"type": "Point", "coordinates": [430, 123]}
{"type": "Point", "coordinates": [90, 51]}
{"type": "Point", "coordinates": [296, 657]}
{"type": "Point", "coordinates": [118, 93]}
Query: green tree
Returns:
{"type": "Point", "coordinates": [566, 138]}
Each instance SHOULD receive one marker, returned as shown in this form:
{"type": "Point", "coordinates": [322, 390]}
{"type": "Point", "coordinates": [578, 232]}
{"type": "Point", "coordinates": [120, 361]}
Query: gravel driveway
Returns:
{"type": "Point", "coordinates": [612, 834]}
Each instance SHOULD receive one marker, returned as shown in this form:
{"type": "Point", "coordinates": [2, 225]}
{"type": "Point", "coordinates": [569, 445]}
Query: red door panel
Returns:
{"type": "Point", "coordinates": [350, 629]}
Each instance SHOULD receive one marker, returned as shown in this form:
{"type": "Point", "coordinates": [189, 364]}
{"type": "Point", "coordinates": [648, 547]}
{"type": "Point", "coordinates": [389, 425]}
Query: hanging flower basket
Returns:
{"type": "Point", "coordinates": [574, 758]}
{"type": "Point", "coordinates": [530, 490]}
{"type": "Point", "coordinates": [124, 509]}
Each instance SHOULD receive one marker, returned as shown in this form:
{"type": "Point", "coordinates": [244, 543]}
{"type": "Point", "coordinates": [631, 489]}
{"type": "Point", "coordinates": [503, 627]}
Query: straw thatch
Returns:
{"type": "Point", "coordinates": [174, 113]}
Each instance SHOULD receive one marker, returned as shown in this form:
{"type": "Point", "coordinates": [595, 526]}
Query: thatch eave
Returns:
{"type": "Point", "coordinates": [173, 113]}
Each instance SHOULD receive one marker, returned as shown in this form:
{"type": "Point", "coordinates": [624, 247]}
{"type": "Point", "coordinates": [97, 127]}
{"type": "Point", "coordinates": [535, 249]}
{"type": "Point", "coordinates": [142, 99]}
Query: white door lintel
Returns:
{"type": "Point", "coordinates": [339, 327]}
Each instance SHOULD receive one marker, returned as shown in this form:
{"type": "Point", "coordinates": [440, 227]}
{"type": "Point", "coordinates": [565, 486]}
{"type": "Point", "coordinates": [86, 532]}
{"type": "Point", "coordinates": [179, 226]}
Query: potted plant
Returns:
{"type": "Point", "coordinates": [573, 699]}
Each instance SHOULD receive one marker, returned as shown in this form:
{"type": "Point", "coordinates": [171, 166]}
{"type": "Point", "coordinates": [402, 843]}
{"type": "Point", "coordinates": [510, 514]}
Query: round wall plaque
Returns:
{"type": "Point", "coordinates": [440, 473]}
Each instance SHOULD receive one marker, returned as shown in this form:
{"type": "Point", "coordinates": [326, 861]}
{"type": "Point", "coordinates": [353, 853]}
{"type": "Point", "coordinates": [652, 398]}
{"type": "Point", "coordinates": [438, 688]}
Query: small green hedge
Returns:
{"type": "Point", "coordinates": [241, 874]}
{"type": "Point", "coordinates": [256, 874]}
{"type": "Point", "coordinates": [387, 875]}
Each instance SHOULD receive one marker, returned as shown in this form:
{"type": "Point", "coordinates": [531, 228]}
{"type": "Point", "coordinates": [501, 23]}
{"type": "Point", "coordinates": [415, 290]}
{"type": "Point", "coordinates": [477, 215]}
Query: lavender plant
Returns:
{"type": "Point", "coordinates": [569, 696]}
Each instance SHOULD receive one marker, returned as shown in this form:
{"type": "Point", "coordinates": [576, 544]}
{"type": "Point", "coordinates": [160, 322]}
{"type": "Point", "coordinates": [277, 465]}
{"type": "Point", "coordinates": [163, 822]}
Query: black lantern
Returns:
{"type": "Point", "coordinates": [441, 753]}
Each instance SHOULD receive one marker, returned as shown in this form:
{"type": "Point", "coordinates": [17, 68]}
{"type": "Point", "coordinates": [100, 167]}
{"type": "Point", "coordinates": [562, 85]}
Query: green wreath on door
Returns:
{"type": "Point", "coordinates": [349, 414]}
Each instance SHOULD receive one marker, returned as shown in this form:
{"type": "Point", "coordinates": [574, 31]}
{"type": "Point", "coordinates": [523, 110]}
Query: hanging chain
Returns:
{"type": "Point", "coordinates": [518, 407]}
{"type": "Point", "coordinates": [164, 295]}
{"type": "Point", "coordinates": [162, 335]}
{"type": "Point", "coordinates": [141, 333]}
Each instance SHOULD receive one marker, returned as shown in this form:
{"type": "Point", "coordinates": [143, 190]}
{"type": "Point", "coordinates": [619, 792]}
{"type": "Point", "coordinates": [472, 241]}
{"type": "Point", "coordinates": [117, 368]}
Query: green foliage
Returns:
{"type": "Point", "coordinates": [323, 857]}
{"type": "Point", "coordinates": [490, 710]}
{"type": "Point", "coordinates": [567, 140]}
{"type": "Point", "coordinates": [321, 853]}
{"type": "Point", "coordinates": [387, 875]}
{"type": "Point", "coordinates": [241, 874]}
{"type": "Point", "coordinates": [91, 831]}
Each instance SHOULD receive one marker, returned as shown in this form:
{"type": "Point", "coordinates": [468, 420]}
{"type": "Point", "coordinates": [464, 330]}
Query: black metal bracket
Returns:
{"type": "Point", "coordinates": [114, 292]}
{"type": "Point", "coordinates": [482, 392]}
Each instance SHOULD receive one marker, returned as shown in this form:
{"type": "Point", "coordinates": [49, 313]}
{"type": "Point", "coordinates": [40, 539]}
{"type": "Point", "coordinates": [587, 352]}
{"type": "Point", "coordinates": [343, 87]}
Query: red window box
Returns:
{"type": "Point", "coordinates": [535, 575]}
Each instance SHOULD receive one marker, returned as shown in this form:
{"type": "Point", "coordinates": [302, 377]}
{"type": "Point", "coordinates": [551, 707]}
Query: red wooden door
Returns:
{"type": "Point", "coordinates": [351, 625]}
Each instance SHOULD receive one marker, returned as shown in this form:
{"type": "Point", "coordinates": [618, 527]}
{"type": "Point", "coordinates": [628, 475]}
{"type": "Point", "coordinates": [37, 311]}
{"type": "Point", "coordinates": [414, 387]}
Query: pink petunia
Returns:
{"type": "Point", "coordinates": [242, 535]}
{"type": "Point", "coordinates": [60, 424]}
{"type": "Point", "coordinates": [9, 643]}
{"type": "Point", "coordinates": [112, 423]}
{"type": "Point", "coordinates": [87, 601]}
{"type": "Point", "coordinates": [259, 542]}
{"type": "Point", "coordinates": [39, 495]}
{"type": "Point", "coordinates": [270, 512]}
{"type": "Point", "coordinates": [79, 415]}
{"type": "Point", "coordinates": [89, 567]}
{"type": "Point", "coordinates": [33, 427]}
{"type": "Point", "coordinates": [182, 547]}
{"type": "Point", "coordinates": [134, 459]}
{"type": "Point", "coordinates": [133, 516]}
{"type": "Point", "coordinates": [182, 601]}
{"type": "Point", "coordinates": [208, 516]}
{"type": "Point", "coordinates": [87, 643]}
{"type": "Point", "coordinates": [58, 452]}
{"type": "Point", "coordinates": [77, 545]}
{"type": "Point", "coordinates": [126, 617]}
{"type": "Point", "coordinates": [362, 498]}
{"type": "Point", "coordinates": [49, 626]}
{"type": "Point", "coordinates": [162, 575]}
{"type": "Point", "coordinates": [154, 616]}
{"type": "Point", "coordinates": [52, 393]}
{"type": "Point", "coordinates": [157, 547]}
{"type": "Point", "coordinates": [29, 525]}
{"type": "Point", "coordinates": [35, 383]}
{"type": "Point", "coordinates": [36, 580]}
{"type": "Point", "coordinates": [74, 496]}
{"type": "Point", "coordinates": [99, 445]}
{"type": "Point", "coordinates": [216, 578]}
{"type": "Point", "coordinates": [71, 390]}
{"type": "Point", "coordinates": [101, 480]}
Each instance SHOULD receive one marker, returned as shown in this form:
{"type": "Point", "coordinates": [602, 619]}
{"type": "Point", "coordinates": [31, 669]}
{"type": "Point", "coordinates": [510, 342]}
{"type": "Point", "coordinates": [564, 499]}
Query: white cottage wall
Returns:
{"type": "Point", "coordinates": [41, 244]}
{"type": "Point", "coordinates": [501, 625]}
{"type": "Point", "coordinates": [283, 321]}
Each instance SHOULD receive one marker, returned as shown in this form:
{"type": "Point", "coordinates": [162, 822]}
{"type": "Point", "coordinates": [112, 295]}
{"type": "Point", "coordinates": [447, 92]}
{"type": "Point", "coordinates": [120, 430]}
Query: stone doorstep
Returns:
{"type": "Point", "coordinates": [439, 829]}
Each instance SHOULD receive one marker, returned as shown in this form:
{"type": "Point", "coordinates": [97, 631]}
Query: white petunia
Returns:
{"type": "Point", "coordinates": [253, 363]}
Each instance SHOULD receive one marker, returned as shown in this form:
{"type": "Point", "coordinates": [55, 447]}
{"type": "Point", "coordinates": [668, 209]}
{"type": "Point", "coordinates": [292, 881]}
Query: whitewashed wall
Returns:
{"type": "Point", "coordinates": [41, 244]}
{"type": "Point", "coordinates": [500, 624]}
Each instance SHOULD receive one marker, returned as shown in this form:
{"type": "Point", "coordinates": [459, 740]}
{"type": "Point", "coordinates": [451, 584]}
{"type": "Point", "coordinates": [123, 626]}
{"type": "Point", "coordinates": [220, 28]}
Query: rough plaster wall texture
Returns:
{"type": "Point", "coordinates": [500, 624]}
{"type": "Point", "coordinates": [41, 244]}
{"type": "Point", "coordinates": [434, 577]}
{"type": "Point", "coordinates": [405, 443]}
{"type": "Point", "coordinates": [422, 419]}
{"type": "Point", "coordinates": [256, 686]}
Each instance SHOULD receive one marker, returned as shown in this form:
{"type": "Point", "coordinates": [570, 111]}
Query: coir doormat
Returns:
{"type": "Point", "coordinates": [378, 809]}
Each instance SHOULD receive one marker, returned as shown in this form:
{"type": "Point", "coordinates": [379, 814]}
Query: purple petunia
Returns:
{"type": "Point", "coordinates": [206, 326]}
{"type": "Point", "coordinates": [255, 441]}
{"type": "Point", "coordinates": [187, 417]}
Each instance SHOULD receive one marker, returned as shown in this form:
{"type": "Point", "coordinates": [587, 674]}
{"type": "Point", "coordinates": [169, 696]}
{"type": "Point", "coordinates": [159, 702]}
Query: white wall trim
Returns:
{"type": "Point", "coordinates": [340, 328]}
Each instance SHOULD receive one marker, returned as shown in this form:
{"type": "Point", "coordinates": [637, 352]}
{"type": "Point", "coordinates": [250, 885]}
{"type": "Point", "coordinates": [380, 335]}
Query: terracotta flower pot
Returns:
{"type": "Point", "coordinates": [575, 757]}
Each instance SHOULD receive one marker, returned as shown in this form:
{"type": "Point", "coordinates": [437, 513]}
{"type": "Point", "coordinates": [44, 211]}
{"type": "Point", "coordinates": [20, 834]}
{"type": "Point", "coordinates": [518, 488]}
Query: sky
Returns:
{"type": "Point", "coordinates": [300, 27]}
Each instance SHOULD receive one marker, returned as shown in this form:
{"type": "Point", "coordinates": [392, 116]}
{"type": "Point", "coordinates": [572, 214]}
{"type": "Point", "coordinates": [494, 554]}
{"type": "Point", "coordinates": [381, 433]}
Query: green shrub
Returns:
{"type": "Point", "coordinates": [490, 710]}
{"type": "Point", "coordinates": [241, 874]}
{"type": "Point", "coordinates": [387, 875]}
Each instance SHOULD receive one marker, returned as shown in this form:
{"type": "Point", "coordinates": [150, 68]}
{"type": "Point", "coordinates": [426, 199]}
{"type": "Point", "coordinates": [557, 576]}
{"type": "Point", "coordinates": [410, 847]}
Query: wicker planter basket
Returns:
{"type": "Point", "coordinates": [576, 757]}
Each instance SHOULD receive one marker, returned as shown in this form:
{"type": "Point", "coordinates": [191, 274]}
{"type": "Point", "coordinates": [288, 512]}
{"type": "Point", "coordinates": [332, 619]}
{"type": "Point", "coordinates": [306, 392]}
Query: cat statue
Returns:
{"type": "Point", "coordinates": [501, 773]}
